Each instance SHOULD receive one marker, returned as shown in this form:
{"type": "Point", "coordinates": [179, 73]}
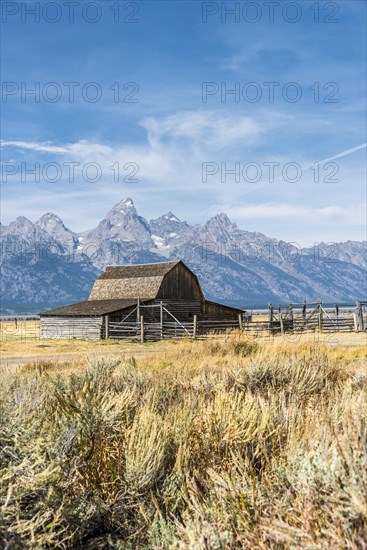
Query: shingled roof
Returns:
{"type": "Point", "coordinates": [90, 308]}
{"type": "Point", "coordinates": [142, 270]}
{"type": "Point", "coordinates": [131, 281]}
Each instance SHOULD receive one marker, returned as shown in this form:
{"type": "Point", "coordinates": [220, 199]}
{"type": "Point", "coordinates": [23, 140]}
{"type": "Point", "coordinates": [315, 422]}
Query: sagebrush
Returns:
{"type": "Point", "coordinates": [222, 444]}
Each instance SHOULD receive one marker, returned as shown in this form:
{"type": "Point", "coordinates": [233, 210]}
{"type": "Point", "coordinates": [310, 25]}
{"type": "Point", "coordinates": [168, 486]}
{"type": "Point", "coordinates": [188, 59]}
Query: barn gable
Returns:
{"type": "Point", "coordinates": [171, 280]}
{"type": "Point", "coordinates": [180, 283]}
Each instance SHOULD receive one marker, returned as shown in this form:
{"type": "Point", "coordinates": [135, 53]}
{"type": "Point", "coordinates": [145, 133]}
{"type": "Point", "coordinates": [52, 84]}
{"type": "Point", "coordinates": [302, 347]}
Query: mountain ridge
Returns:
{"type": "Point", "coordinates": [46, 264]}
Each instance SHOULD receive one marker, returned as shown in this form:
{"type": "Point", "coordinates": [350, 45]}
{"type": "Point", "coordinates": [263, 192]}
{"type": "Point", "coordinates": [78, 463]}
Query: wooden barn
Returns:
{"type": "Point", "coordinates": [167, 291]}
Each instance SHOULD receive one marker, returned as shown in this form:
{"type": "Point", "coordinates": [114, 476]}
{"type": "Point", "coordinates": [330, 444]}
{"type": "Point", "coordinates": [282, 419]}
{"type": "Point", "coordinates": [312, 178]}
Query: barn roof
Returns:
{"type": "Point", "coordinates": [131, 281]}
{"type": "Point", "coordinates": [141, 270]}
{"type": "Point", "coordinates": [90, 308]}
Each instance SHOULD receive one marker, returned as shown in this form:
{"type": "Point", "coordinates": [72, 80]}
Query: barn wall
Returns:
{"type": "Point", "coordinates": [219, 311]}
{"type": "Point", "coordinates": [180, 284]}
{"type": "Point", "coordinates": [118, 316]}
{"type": "Point", "coordinates": [82, 328]}
{"type": "Point", "coordinates": [182, 309]}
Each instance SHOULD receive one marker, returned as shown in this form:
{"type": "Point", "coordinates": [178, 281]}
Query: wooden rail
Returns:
{"type": "Point", "coordinates": [317, 318]}
{"type": "Point", "coordinates": [284, 319]}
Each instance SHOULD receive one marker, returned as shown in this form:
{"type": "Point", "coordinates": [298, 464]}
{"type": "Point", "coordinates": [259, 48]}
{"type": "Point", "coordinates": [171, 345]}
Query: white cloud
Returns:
{"type": "Point", "coordinates": [207, 128]}
{"type": "Point", "coordinates": [174, 151]}
{"type": "Point", "coordinates": [294, 212]}
{"type": "Point", "coordinates": [170, 170]}
{"type": "Point", "coordinates": [46, 147]}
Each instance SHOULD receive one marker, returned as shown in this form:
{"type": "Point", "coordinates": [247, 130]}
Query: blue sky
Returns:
{"type": "Point", "coordinates": [169, 133]}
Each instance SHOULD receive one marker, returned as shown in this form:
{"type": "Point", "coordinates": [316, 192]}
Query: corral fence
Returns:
{"type": "Point", "coordinates": [156, 322]}
{"type": "Point", "coordinates": [310, 317]}
{"type": "Point", "coordinates": [167, 330]}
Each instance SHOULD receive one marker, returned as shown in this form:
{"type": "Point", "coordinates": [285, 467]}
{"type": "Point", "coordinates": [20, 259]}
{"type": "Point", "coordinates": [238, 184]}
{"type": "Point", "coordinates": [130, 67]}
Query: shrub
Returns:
{"type": "Point", "coordinates": [228, 444]}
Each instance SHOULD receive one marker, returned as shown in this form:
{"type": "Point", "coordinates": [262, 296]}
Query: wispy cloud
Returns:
{"type": "Point", "coordinates": [170, 167]}
{"type": "Point", "coordinates": [344, 153]}
{"type": "Point", "coordinates": [204, 128]}
{"type": "Point", "coordinates": [46, 147]}
{"type": "Point", "coordinates": [174, 149]}
{"type": "Point", "coordinates": [295, 212]}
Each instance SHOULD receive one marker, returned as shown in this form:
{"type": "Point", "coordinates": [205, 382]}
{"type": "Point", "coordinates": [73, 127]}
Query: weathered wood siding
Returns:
{"type": "Point", "coordinates": [180, 284]}
{"type": "Point", "coordinates": [219, 311]}
{"type": "Point", "coordinates": [82, 328]}
{"type": "Point", "coordinates": [182, 309]}
{"type": "Point", "coordinates": [118, 316]}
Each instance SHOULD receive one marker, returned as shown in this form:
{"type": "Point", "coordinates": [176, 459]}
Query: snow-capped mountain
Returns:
{"type": "Point", "coordinates": [45, 264]}
{"type": "Point", "coordinates": [40, 265]}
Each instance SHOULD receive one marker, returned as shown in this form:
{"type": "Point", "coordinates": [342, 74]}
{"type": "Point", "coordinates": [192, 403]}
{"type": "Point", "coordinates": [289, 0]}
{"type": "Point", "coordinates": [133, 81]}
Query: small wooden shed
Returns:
{"type": "Point", "coordinates": [120, 290]}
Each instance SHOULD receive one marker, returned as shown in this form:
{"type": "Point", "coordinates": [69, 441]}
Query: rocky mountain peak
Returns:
{"type": "Point", "coordinates": [124, 206]}
{"type": "Point", "coordinates": [49, 220]}
{"type": "Point", "coordinates": [121, 225]}
{"type": "Point", "coordinates": [21, 225]}
{"type": "Point", "coordinates": [122, 213]}
{"type": "Point", "coordinates": [221, 222]}
{"type": "Point", "coordinates": [167, 226]}
{"type": "Point", "coordinates": [55, 228]}
{"type": "Point", "coordinates": [170, 217]}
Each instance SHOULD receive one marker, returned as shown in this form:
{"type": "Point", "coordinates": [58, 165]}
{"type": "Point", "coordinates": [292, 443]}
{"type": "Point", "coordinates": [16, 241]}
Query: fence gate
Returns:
{"type": "Point", "coordinates": [148, 322]}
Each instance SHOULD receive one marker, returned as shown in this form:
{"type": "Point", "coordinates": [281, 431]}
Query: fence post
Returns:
{"type": "Point", "coordinates": [360, 316]}
{"type": "Point", "coordinates": [195, 327]}
{"type": "Point", "coordinates": [240, 320]}
{"type": "Point", "coordinates": [320, 316]}
{"type": "Point", "coordinates": [355, 319]}
{"type": "Point", "coordinates": [161, 319]}
{"type": "Point", "coordinates": [107, 327]}
{"type": "Point", "coordinates": [281, 320]}
{"type": "Point", "coordinates": [290, 310]}
{"type": "Point", "coordinates": [142, 329]}
{"type": "Point", "coordinates": [270, 318]}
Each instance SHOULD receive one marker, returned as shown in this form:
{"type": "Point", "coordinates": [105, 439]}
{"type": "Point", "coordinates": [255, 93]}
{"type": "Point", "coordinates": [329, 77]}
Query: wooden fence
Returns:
{"type": "Point", "coordinates": [310, 318]}
{"type": "Point", "coordinates": [284, 319]}
{"type": "Point", "coordinates": [157, 323]}
{"type": "Point", "coordinates": [167, 330]}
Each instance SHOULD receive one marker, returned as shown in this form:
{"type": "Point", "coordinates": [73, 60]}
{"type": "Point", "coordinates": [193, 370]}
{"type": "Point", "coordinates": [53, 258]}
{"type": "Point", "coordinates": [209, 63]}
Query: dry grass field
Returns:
{"type": "Point", "coordinates": [213, 444]}
{"type": "Point", "coordinates": [21, 341]}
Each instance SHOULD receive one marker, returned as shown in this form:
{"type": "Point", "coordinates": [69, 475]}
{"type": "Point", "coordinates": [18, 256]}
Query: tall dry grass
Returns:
{"type": "Point", "coordinates": [220, 444]}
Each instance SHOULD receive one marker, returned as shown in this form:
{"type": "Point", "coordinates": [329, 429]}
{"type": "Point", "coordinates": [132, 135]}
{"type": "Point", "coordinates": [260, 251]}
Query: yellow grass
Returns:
{"type": "Point", "coordinates": [207, 445]}
{"type": "Point", "coordinates": [22, 341]}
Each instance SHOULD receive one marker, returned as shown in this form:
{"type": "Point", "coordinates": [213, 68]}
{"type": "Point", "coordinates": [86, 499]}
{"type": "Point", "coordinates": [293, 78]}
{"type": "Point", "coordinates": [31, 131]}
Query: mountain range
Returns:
{"type": "Point", "coordinates": [45, 264]}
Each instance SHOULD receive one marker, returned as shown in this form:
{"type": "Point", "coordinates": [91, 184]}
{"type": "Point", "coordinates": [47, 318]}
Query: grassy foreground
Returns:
{"type": "Point", "coordinates": [219, 444]}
